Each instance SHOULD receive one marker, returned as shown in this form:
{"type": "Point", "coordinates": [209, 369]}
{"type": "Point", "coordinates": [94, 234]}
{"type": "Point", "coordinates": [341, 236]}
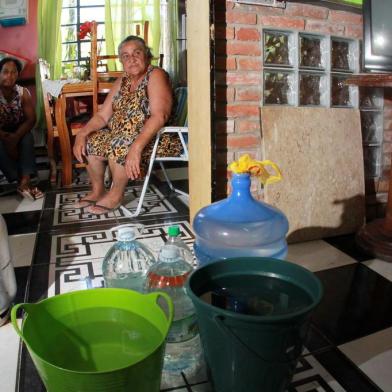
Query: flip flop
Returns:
{"type": "Point", "coordinates": [25, 193]}
{"type": "Point", "coordinates": [83, 203]}
{"type": "Point", "coordinates": [36, 193]}
{"type": "Point", "coordinates": [104, 210]}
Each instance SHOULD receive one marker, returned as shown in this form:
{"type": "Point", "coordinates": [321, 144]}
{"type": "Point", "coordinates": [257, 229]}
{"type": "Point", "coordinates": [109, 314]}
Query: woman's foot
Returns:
{"type": "Point", "coordinates": [106, 204]}
{"type": "Point", "coordinates": [29, 192]}
{"type": "Point", "coordinates": [88, 200]}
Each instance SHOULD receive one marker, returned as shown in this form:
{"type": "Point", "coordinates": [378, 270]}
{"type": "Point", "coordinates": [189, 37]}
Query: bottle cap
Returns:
{"type": "Point", "coordinates": [169, 252]}
{"type": "Point", "coordinates": [173, 231]}
{"type": "Point", "coordinates": [126, 233]}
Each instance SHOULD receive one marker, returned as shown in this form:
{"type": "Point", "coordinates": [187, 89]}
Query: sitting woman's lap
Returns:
{"type": "Point", "coordinates": [115, 146]}
{"type": "Point", "coordinates": [25, 162]}
{"type": "Point", "coordinates": [107, 144]}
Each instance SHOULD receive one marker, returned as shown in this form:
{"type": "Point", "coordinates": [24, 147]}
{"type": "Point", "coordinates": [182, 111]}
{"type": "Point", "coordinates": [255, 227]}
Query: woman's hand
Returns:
{"type": "Point", "coordinates": [132, 161]}
{"type": "Point", "coordinates": [79, 148]}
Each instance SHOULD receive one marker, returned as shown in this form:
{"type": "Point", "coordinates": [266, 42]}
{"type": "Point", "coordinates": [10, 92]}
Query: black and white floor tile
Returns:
{"type": "Point", "coordinates": [57, 249]}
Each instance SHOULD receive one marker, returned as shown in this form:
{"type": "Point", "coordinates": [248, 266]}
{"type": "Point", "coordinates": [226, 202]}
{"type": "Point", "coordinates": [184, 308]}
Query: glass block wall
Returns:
{"type": "Point", "coordinates": [301, 69]}
{"type": "Point", "coordinates": [309, 52]}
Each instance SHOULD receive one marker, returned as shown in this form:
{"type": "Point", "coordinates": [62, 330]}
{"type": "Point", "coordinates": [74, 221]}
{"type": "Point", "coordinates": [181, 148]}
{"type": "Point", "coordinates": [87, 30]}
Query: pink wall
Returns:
{"type": "Point", "coordinates": [22, 40]}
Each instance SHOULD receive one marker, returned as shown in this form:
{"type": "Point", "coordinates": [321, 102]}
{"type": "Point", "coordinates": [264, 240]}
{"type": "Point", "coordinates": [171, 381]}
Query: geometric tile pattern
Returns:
{"type": "Point", "coordinates": [70, 246]}
{"type": "Point", "coordinates": [154, 204]}
{"type": "Point", "coordinates": [76, 259]}
{"type": "Point", "coordinates": [311, 376]}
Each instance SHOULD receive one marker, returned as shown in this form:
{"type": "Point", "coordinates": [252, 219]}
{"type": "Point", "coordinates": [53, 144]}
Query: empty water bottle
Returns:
{"type": "Point", "coordinates": [169, 274]}
{"type": "Point", "coordinates": [174, 238]}
{"type": "Point", "coordinates": [127, 261]}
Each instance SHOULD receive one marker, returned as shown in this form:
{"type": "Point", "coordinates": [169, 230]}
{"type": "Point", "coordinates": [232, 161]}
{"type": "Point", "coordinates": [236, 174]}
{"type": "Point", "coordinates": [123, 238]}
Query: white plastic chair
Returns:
{"type": "Point", "coordinates": [182, 132]}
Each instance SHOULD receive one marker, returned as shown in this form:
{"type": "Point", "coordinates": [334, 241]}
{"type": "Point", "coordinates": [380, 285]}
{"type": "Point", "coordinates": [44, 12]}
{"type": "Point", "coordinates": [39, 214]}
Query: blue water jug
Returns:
{"type": "Point", "coordinates": [239, 226]}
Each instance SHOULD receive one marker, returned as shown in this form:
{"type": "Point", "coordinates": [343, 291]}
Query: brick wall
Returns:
{"type": "Point", "coordinates": [238, 66]}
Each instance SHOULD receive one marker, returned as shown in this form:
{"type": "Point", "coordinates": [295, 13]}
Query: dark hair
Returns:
{"type": "Point", "coordinates": [17, 63]}
{"type": "Point", "coordinates": [138, 39]}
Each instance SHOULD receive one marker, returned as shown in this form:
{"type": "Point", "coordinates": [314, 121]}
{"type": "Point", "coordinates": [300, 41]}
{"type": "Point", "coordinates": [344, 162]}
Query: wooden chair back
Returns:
{"type": "Point", "coordinates": [44, 69]}
{"type": "Point", "coordinates": [103, 81]}
{"type": "Point", "coordinates": [53, 130]}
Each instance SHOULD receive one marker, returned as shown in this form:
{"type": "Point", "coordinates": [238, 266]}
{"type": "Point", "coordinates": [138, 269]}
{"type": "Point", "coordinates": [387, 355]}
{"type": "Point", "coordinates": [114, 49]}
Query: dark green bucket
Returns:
{"type": "Point", "coordinates": [99, 340]}
{"type": "Point", "coordinates": [253, 317]}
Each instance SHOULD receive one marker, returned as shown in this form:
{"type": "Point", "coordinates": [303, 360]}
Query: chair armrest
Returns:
{"type": "Point", "coordinates": [173, 129]}
{"type": "Point", "coordinates": [180, 131]}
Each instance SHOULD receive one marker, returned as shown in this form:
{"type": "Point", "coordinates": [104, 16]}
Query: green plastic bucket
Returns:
{"type": "Point", "coordinates": [253, 316]}
{"type": "Point", "coordinates": [97, 340]}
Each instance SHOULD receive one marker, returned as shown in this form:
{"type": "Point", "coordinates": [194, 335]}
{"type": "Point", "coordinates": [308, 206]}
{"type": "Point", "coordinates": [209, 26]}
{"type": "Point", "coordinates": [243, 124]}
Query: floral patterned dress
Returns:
{"type": "Point", "coordinates": [11, 113]}
{"type": "Point", "coordinates": [130, 111]}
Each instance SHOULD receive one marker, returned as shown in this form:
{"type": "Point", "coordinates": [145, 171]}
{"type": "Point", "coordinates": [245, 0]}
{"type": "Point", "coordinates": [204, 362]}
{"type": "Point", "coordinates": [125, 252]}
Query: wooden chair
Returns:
{"type": "Point", "coordinates": [103, 81]}
{"type": "Point", "coordinates": [52, 133]}
{"type": "Point", "coordinates": [52, 129]}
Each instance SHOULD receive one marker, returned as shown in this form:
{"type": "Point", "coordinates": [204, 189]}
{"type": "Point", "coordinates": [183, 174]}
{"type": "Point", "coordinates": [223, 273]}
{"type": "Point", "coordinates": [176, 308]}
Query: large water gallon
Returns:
{"type": "Point", "coordinates": [239, 226]}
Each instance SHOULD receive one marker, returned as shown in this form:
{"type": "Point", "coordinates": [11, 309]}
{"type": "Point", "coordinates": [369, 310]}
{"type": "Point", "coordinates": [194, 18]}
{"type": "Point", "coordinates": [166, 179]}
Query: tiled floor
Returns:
{"type": "Point", "coordinates": [57, 249]}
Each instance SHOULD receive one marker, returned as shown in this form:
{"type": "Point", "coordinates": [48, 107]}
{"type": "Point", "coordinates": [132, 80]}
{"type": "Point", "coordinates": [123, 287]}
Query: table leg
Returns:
{"type": "Point", "coordinates": [375, 237]}
{"type": "Point", "coordinates": [64, 141]}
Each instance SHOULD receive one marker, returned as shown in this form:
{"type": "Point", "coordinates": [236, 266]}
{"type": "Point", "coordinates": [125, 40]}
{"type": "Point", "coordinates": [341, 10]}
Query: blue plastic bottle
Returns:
{"type": "Point", "coordinates": [239, 226]}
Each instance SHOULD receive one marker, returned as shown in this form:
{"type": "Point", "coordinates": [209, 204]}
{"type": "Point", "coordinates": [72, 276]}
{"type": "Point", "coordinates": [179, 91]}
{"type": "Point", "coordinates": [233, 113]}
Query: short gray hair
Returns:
{"type": "Point", "coordinates": [137, 39]}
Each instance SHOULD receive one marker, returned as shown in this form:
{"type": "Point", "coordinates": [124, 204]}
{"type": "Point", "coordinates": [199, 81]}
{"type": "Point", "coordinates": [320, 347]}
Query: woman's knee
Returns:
{"type": "Point", "coordinates": [27, 141]}
{"type": "Point", "coordinates": [97, 159]}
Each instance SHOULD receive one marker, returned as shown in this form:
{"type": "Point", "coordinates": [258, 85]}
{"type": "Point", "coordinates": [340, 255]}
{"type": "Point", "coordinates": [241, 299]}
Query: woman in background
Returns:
{"type": "Point", "coordinates": [17, 118]}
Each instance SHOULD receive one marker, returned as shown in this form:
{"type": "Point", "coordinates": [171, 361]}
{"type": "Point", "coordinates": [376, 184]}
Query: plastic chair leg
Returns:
{"type": "Point", "coordinates": [171, 186]}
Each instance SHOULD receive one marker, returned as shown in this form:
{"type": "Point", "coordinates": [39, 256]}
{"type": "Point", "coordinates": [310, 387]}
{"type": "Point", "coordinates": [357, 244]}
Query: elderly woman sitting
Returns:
{"type": "Point", "coordinates": [121, 133]}
{"type": "Point", "coordinates": [17, 118]}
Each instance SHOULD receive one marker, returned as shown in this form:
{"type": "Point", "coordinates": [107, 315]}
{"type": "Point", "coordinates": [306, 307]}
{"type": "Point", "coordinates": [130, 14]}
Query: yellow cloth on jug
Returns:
{"type": "Point", "coordinates": [246, 164]}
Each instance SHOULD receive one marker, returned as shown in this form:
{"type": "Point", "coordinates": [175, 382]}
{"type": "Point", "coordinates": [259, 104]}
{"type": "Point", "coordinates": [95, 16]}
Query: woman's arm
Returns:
{"type": "Point", "coordinates": [161, 100]}
{"type": "Point", "coordinates": [97, 122]}
{"type": "Point", "coordinates": [29, 115]}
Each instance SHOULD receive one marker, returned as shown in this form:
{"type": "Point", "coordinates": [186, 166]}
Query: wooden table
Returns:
{"type": "Point", "coordinates": [72, 90]}
{"type": "Point", "coordinates": [376, 237]}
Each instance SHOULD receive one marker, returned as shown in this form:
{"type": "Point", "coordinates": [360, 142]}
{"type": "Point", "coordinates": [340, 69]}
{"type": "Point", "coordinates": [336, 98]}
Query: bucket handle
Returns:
{"type": "Point", "coordinates": [154, 297]}
{"type": "Point", "coordinates": [219, 320]}
{"type": "Point", "coordinates": [26, 307]}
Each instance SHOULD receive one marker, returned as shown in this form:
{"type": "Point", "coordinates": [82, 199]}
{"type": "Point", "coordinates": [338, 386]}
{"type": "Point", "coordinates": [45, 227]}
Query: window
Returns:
{"type": "Point", "coordinates": [75, 12]}
{"type": "Point", "coordinates": [302, 69]}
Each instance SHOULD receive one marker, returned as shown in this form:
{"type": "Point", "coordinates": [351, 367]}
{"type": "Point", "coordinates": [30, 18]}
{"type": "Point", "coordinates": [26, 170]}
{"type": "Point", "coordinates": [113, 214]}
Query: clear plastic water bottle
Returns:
{"type": "Point", "coordinates": [127, 261]}
{"type": "Point", "coordinates": [174, 238]}
{"type": "Point", "coordinates": [183, 346]}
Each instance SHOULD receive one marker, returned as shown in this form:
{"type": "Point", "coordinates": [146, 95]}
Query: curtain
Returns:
{"type": "Point", "coordinates": [121, 18]}
{"type": "Point", "coordinates": [169, 35]}
{"type": "Point", "coordinates": [49, 46]}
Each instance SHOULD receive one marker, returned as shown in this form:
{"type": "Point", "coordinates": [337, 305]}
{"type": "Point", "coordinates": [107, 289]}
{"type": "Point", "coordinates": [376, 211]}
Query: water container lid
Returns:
{"type": "Point", "coordinates": [173, 231]}
{"type": "Point", "coordinates": [169, 252]}
{"type": "Point", "coordinates": [126, 233]}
